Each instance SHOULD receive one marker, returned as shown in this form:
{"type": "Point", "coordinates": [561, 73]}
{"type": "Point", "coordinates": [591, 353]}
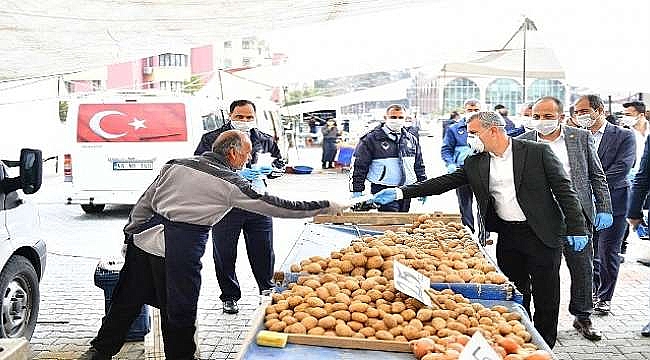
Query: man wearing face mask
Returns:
{"type": "Point", "coordinates": [388, 156]}
{"type": "Point", "coordinates": [616, 150]}
{"type": "Point", "coordinates": [576, 151]}
{"type": "Point", "coordinates": [454, 150]}
{"type": "Point", "coordinates": [511, 179]}
{"type": "Point", "coordinates": [166, 236]}
{"type": "Point", "coordinates": [258, 229]}
{"type": "Point", "coordinates": [634, 119]}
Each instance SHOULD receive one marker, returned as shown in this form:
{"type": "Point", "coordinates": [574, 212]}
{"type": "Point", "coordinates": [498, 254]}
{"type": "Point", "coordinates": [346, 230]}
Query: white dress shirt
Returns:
{"type": "Point", "coordinates": [502, 186]}
{"type": "Point", "coordinates": [559, 149]}
{"type": "Point", "coordinates": [598, 135]}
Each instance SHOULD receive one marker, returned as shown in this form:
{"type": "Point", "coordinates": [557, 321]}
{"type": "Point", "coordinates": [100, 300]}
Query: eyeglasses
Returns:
{"type": "Point", "coordinates": [393, 117]}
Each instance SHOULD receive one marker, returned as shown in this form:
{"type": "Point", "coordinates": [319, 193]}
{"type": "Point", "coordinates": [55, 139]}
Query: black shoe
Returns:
{"type": "Point", "coordinates": [230, 307]}
{"type": "Point", "coordinates": [621, 257]}
{"type": "Point", "coordinates": [602, 307]}
{"type": "Point", "coordinates": [94, 354]}
{"type": "Point", "coordinates": [586, 329]}
{"type": "Point", "coordinates": [646, 331]}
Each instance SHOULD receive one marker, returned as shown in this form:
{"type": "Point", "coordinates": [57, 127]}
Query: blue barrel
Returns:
{"type": "Point", "coordinates": [106, 275]}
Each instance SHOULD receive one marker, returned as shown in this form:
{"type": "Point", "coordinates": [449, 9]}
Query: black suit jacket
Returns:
{"type": "Point", "coordinates": [544, 191]}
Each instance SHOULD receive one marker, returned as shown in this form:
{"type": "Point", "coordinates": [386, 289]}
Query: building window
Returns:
{"type": "Point", "coordinates": [227, 44]}
{"type": "Point", "coordinates": [506, 92]}
{"type": "Point", "coordinates": [541, 88]}
{"type": "Point", "coordinates": [96, 85]}
{"type": "Point", "coordinates": [246, 61]}
{"type": "Point", "coordinates": [245, 44]}
{"type": "Point", "coordinates": [172, 86]}
{"type": "Point", "coordinates": [227, 62]}
{"type": "Point", "coordinates": [179, 60]}
{"type": "Point", "coordinates": [457, 91]}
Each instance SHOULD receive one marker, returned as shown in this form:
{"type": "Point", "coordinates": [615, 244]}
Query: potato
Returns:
{"type": "Point", "coordinates": [453, 278]}
{"type": "Point", "coordinates": [296, 328]}
{"type": "Point", "coordinates": [331, 333]}
{"type": "Point", "coordinates": [342, 314]}
{"type": "Point", "coordinates": [388, 295]}
{"type": "Point", "coordinates": [397, 307]}
{"type": "Point", "coordinates": [358, 260]}
{"type": "Point", "coordinates": [278, 326]}
{"type": "Point", "coordinates": [456, 325]}
{"type": "Point", "coordinates": [270, 322]}
{"type": "Point", "coordinates": [322, 293]}
{"type": "Point", "coordinates": [315, 302]}
{"type": "Point", "coordinates": [368, 284]}
{"type": "Point", "coordinates": [328, 322]}
{"type": "Point", "coordinates": [355, 325]}
{"type": "Point", "coordinates": [358, 292]}
{"type": "Point", "coordinates": [301, 290]}
{"type": "Point", "coordinates": [342, 298]}
{"type": "Point", "coordinates": [378, 325]}
{"type": "Point", "coordinates": [339, 306]}
{"type": "Point", "coordinates": [362, 298]}
{"type": "Point", "coordinates": [316, 331]}
{"type": "Point", "coordinates": [396, 331]}
{"type": "Point", "coordinates": [346, 266]}
{"type": "Point", "coordinates": [438, 323]}
{"type": "Point", "coordinates": [343, 330]}
{"type": "Point", "coordinates": [390, 321]}
{"type": "Point", "coordinates": [360, 317]}
{"type": "Point", "coordinates": [317, 312]}
{"type": "Point", "coordinates": [417, 324]}
{"type": "Point", "coordinates": [332, 288]}
{"type": "Point", "coordinates": [295, 268]}
{"type": "Point", "coordinates": [312, 268]}
{"type": "Point", "coordinates": [511, 316]}
{"type": "Point", "coordinates": [358, 271]}
{"type": "Point", "coordinates": [284, 313]}
{"type": "Point", "coordinates": [375, 262]}
{"type": "Point", "coordinates": [309, 322]}
{"type": "Point", "coordinates": [300, 315]}
{"type": "Point", "coordinates": [367, 331]}
{"type": "Point", "coordinates": [373, 273]}
{"type": "Point", "coordinates": [384, 335]}
{"type": "Point", "coordinates": [504, 328]}
{"type": "Point", "coordinates": [358, 307]}
{"type": "Point", "coordinates": [374, 295]}
{"type": "Point", "coordinates": [372, 312]}
{"type": "Point", "coordinates": [410, 332]}
{"type": "Point", "coordinates": [408, 314]}
{"type": "Point", "coordinates": [271, 316]}
{"type": "Point", "coordinates": [424, 314]}
{"type": "Point", "coordinates": [485, 321]}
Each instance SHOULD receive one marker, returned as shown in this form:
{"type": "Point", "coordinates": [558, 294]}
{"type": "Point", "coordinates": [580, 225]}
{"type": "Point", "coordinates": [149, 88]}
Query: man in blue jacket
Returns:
{"type": "Point", "coordinates": [454, 150]}
{"type": "Point", "coordinates": [617, 152]}
{"type": "Point", "coordinates": [257, 228]}
{"type": "Point", "coordinates": [388, 156]}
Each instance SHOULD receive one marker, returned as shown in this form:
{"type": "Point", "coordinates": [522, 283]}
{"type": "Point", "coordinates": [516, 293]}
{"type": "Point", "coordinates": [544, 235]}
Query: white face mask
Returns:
{"type": "Point", "coordinates": [244, 126]}
{"type": "Point", "coordinates": [527, 122]}
{"type": "Point", "coordinates": [585, 121]}
{"type": "Point", "coordinates": [475, 143]}
{"type": "Point", "coordinates": [394, 125]}
{"type": "Point", "coordinates": [627, 120]}
{"type": "Point", "coordinates": [545, 127]}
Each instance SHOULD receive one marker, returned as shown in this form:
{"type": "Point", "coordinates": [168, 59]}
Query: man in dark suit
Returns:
{"type": "Point", "coordinates": [511, 179]}
{"type": "Point", "coordinates": [576, 151]}
{"type": "Point", "coordinates": [616, 150]}
{"type": "Point", "coordinates": [640, 189]}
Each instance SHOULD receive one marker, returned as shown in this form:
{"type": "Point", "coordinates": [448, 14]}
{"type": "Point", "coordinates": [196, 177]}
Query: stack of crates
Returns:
{"type": "Point", "coordinates": [106, 275]}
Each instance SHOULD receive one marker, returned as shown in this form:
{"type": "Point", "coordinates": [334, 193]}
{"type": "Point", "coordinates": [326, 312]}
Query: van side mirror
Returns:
{"type": "Point", "coordinates": [31, 170]}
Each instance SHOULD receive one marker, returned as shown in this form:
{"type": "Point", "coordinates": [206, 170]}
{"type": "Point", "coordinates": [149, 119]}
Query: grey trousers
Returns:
{"type": "Point", "coordinates": [580, 266]}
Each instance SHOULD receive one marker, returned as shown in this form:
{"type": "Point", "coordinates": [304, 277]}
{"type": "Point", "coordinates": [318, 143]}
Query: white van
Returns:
{"type": "Point", "coordinates": [117, 143]}
{"type": "Point", "coordinates": [22, 251]}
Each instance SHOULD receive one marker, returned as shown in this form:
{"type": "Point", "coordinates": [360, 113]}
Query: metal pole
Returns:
{"type": "Point", "coordinates": [524, 73]}
{"type": "Point", "coordinates": [609, 101]}
{"type": "Point", "coordinates": [220, 84]}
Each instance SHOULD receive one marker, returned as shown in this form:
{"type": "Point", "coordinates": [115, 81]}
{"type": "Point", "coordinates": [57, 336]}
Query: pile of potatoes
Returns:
{"type": "Point", "coordinates": [371, 308]}
{"type": "Point", "coordinates": [445, 253]}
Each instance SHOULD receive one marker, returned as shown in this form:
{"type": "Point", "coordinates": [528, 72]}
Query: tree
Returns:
{"type": "Point", "coordinates": [194, 84]}
{"type": "Point", "coordinates": [63, 110]}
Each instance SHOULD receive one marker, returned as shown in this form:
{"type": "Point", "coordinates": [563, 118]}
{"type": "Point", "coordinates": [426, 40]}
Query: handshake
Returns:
{"type": "Point", "coordinates": [386, 196]}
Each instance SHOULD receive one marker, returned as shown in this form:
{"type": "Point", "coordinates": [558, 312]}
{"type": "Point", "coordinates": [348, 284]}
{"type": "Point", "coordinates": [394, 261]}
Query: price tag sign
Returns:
{"type": "Point", "coordinates": [411, 282]}
{"type": "Point", "coordinates": [478, 349]}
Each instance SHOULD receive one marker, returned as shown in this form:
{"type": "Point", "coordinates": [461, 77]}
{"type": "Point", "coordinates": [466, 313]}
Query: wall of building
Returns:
{"type": "Point", "coordinates": [124, 75]}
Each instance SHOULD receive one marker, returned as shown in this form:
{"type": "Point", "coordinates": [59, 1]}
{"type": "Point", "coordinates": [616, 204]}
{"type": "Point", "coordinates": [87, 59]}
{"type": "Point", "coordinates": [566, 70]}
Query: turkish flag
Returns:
{"type": "Point", "coordinates": [135, 122]}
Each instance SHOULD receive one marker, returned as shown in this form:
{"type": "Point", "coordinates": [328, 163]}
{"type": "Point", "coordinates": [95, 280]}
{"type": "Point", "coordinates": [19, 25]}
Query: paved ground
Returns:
{"type": "Point", "coordinates": [72, 307]}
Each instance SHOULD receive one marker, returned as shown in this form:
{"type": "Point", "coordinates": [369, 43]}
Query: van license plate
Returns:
{"type": "Point", "coordinates": [133, 165]}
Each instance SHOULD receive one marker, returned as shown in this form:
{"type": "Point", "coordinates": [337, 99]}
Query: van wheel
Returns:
{"type": "Point", "coordinates": [20, 298]}
{"type": "Point", "coordinates": [92, 208]}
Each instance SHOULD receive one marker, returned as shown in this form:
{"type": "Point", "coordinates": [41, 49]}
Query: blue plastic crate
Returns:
{"type": "Point", "coordinates": [344, 157]}
{"type": "Point", "coordinates": [106, 275]}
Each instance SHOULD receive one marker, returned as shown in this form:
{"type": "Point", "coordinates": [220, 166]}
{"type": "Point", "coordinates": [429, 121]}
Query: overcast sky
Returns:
{"type": "Point", "coordinates": [604, 39]}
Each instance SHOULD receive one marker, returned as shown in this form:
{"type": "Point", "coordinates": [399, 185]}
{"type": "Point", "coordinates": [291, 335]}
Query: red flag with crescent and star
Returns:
{"type": "Point", "coordinates": [137, 122]}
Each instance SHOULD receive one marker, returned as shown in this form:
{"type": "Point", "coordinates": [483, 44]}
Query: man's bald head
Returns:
{"type": "Point", "coordinates": [234, 146]}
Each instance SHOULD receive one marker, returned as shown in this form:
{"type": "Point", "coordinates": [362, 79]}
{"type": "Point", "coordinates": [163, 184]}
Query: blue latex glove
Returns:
{"type": "Point", "coordinates": [603, 221]}
{"type": "Point", "coordinates": [356, 194]}
{"type": "Point", "coordinates": [249, 174]}
{"type": "Point", "coordinates": [451, 168]}
{"type": "Point", "coordinates": [385, 196]}
{"type": "Point", "coordinates": [266, 169]}
{"type": "Point", "coordinates": [422, 199]}
{"type": "Point", "coordinates": [578, 242]}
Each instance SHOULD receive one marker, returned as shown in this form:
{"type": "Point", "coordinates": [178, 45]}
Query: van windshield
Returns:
{"type": "Point", "coordinates": [135, 122]}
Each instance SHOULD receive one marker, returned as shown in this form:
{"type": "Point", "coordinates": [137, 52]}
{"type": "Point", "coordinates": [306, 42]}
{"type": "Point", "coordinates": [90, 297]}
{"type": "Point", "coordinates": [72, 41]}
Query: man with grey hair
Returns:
{"type": "Point", "coordinates": [454, 150]}
{"type": "Point", "coordinates": [511, 179]}
{"type": "Point", "coordinates": [166, 235]}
